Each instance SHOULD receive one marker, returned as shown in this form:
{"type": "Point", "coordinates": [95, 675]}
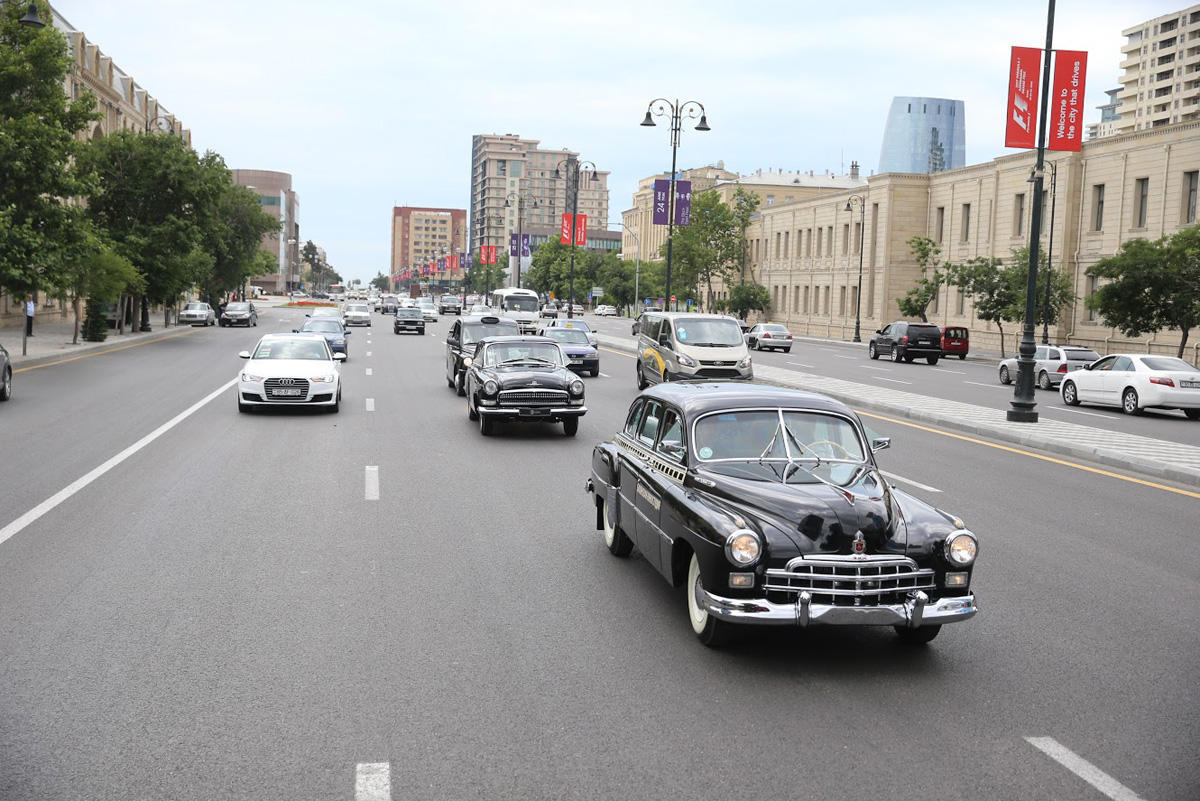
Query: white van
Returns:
{"type": "Point", "coordinates": [679, 346]}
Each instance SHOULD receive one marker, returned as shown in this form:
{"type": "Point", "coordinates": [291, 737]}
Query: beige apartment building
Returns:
{"type": "Point", "coordinates": [511, 176]}
{"type": "Point", "coordinates": [1160, 84]}
{"type": "Point", "coordinates": [1141, 184]}
{"type": "Point", "coordinates": [421, 235]}
{"type": "Point", "coordinates": [277, 198]}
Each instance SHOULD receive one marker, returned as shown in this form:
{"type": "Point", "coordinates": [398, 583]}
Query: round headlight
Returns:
{"type": "Point", "coordinates": [961, 548]}
{"type": "Point", "coordinates": [576, 387]}
{"type": "Point", "coordinates": [468, 361]}
{"type": "Point", "coordinates": [490, 387]}
{"type": "Point", "coordinates": [743, 547]}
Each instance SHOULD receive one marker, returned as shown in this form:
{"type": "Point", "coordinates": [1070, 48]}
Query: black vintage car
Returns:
{"type": "Point", "coordinates": [522, 379]}
{"type": "Point", "coordinates": [767, 505]}
{"type": "Point", "coordinates": [461, 340]}
{"type": "Point", "coordinates": [408, 319]}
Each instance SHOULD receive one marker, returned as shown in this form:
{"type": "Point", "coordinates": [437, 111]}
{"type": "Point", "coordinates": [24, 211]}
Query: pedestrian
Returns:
{"type": "Point", "coordinates": [29, 309]}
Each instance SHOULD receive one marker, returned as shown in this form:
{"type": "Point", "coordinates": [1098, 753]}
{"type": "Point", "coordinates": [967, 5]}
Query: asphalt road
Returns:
{"type": "Point", "coordinates": [975, 380]}
{"type": "Point", "coordinates": [223, 614]}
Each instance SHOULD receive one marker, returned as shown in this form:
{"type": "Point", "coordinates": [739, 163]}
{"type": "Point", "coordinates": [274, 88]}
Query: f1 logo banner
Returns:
{"type": "Point", "coordinates": [492, 253]}
{"type": "Point", "coordinates": [1023, 74]}
{"type": "Point", "coordinates": [566, 229]}
{"type": "Point", "coordinates": [1066, 100]}
{"type": "Point", "coordinates": [581, 230]}
{"type": "Point", "coordinates": [662, 188]}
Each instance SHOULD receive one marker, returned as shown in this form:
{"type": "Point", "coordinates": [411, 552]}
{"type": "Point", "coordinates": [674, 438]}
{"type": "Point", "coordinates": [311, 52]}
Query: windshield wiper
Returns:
{"type": "Point", "coordinates": [527, 360]}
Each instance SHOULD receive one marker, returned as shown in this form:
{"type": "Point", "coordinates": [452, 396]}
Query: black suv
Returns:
{"type": "Point", "coordinates": [907, 341]}
{"type": "Point", "coordinates": [461, 339]}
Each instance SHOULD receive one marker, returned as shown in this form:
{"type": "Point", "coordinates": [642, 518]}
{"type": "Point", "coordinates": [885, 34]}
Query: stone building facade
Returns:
{"type": "Point", "coordinates": [277, 198]}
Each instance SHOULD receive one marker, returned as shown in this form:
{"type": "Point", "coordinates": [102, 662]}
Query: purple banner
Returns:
{"type": "Point", "coordinates": [525, 246]}
{"type": "Point", "coordinates": [683, 202]}
{"type": "Point", "coordinates": [512, 245]}
{"type": "Point", "coordinates": [465, 260]}
{"type": "Point", "coordinates": [662, 189]}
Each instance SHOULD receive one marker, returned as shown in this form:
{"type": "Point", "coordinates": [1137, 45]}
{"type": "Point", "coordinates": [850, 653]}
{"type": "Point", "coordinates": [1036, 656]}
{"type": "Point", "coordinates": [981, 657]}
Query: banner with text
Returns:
{"type": "Point", "coordinates": [1023, 73]}
{"type": "Point", "coordinates": [683, 202]}
{"type": "Point", "coordinates": [525, 246]}
{"type": "Point", "coordinates": [662, 189]}
{"type": "Point", "coordinates": [512, 245]}
{"type": "Point", "coordinates": [566, 229]}
{"type": "Point", "coordinates": [1066, 100]}
{"type": "Point", "coordinates": [581, 230]}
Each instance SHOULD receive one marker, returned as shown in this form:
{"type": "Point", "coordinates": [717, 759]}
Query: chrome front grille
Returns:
{"type": "Point", "coordinates": [275, 386]}
{"type": "Point", "coordinates": [849, 580]}
{"type": "Point", "coordinates": [533, 397]}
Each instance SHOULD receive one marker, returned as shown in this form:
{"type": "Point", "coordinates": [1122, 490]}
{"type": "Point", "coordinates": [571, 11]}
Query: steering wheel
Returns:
{"type": "Point", "coordinates": [813, 447]}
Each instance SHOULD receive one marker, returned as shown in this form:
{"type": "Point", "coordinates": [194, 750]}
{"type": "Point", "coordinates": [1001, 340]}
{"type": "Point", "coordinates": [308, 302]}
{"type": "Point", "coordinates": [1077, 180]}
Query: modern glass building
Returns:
{"type": "Point", "coordinates": [924, 135]}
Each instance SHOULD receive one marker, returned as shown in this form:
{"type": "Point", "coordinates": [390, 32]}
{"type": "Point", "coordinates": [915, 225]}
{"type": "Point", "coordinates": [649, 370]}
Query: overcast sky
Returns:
{"type": "Point", "coordinates": [372, 104]}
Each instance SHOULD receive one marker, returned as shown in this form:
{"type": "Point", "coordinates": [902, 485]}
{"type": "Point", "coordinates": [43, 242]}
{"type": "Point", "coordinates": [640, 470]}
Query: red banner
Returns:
{"type": "Point", "coordinates": [1023, 74]}
{"type": "Point", "coordinates": [581, 230]}
{"type": "Point", "coordinates": [491, 254]}
{"type": "Point", "coordinates": [453, 263]}
{"type": "Point", "coordinates": [1066, 100]}
{"type": "Point", "coordinates": [567, 225]}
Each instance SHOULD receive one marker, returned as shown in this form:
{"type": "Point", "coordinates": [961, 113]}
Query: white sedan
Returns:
{"type": "Point", "coordinates": [1136, 381]}
{"type": "Point", "coordinates": [356, 314]}
{"type": "Point", "coordinates": [290, 370]}
{"type": "Point", "coordinates": [606, 311]}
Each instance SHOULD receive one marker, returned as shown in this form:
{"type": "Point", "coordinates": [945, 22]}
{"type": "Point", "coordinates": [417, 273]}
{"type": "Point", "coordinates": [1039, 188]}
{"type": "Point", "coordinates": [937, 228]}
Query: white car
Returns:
{"type": "Point", "coordinates": [577, 309]}
{"type": "Point", "coordinates": [606, 311]}
{"type": "Point", "coordinates": [356, 314]}
{"type": "Point", "coordinates": [197, 313]}
{"type": "Point", "coordinates": [290, 370]}
{"type": "Point", "coordinates": [1136, 381]}
{"type": "Point", "coordinates": [428, 310]}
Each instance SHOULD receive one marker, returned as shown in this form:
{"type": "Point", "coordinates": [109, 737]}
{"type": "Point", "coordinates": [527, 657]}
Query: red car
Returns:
{"type": "Point", "coordinates": [956, 341]}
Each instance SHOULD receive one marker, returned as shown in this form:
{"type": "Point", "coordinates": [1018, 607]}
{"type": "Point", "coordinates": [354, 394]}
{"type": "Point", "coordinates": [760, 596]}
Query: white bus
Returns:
{"type": "Point", "coordinates": [519, 304]}
{"type": "Point", "coordinates": [337, 292]}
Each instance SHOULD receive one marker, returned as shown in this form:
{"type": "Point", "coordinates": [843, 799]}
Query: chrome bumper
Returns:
{"type": "Point", "coordinates": [918, 610]}
{"type": "Point", "coordinates": [515, 411]}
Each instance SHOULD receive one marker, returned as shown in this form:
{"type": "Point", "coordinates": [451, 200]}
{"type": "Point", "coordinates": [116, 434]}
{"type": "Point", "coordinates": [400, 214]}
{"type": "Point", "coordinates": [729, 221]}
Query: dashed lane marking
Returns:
{"type": "Point", "coordinates": [373, 781]}
{"type": "Point", "coordinates": [839, 356]}
{"type": "Point", "coordinates": [893, 380]}
{"type": "Point", "coordinates": [895, 477]}
{"type": "Point", "coordinates": [945, 370]}
{"type": "Point", "coordinates": [1081, 411]}
{"type": "Point", "coordinates": [371, 477]}
{"type": "Point", "coordinates": [605, 375]}
{"type": "Point", "coordinates": [801, 364]}
{"type": "Point", "coordinates": [370, 404]}
{"type": "Point", "coordinates": [977, 384]}
{"type": "Point", "coordinates": [1083, 769]}
{"type": "Point", "coordinates": [370, 371]}
{"type": "Point", "coordinates": [368, 352]}
{"type": "Point", "coordinates": [873, 367]}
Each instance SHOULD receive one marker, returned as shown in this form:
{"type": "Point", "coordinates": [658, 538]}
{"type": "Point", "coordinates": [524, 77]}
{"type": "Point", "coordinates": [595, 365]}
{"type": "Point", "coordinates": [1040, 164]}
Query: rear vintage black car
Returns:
{"type": "Point", "coordinates": [522, 379]}
{"type": "Point", "coordinates": [462, 338]}
{"type": "Point", "coordinates": [766, 504]}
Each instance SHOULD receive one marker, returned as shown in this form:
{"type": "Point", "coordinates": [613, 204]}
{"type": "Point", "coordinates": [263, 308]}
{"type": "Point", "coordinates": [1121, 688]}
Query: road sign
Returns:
{"type": "Point", "coordinates": [672, 298]}
{"type": "Point", "coordinates": [689, 302]}
{"type": "Point", "coordinates": [646, 301]}
{"type": "Point", "coordinates": [597, 291]}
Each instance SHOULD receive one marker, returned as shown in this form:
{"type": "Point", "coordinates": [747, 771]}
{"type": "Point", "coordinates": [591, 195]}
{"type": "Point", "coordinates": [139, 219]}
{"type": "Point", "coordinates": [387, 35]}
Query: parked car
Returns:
{"type": "Point", "coordinates": [356, 314]}
{"type": "Point", "coordinates": [1050, 364]}
{"type": "Point", "coordinates": [1136, 381]}
{"type": "Point", "coordinates": [409, 319]}
{"type": "Point", "coordinates": [5, 374]}
{"type": "Point", "coordinates": [197, 313]}
{"type": "Point", "coordinates": [582, 355]}
{"type": "Point", "coordinates": [956, 341]}
{"type": "Point", "coordinates": [606, 311]}
{"type": "Point", "coordinates": [771, 336]}
{"type": "Point", "coordinates": [450, 304]}
{"type": "Point", "coordinates": [677, 346]}
{"type": "Point", "coordinates": [239, 313]}
{"type": "Point", "coordinates": [906, 340]}
{"type": "Point", "coordinates": [292, 370]}
{"type": "Point", "coordinates": [522, 379]}
{"type": "Point", "coordinates": [767, 505]}
{"type": "Point", "coordinates": [333, 331]}
{"type": "Point", "coordinates": [462, 338]}
{"type": "Point", "coordinates": [549, 310]}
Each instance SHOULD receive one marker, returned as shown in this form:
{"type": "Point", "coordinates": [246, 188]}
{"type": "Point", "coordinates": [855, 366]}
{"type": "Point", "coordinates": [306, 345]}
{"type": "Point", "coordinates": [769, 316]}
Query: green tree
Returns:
{"type": "Point", "coordinates": [994, 290]}
{"type": "Point", "coordinates": [1062, 293]}
{"type": "Point", "coordinates": [1151, 286]}
{"type": "Point", "coordinates": [744, 298]}
{"type": "Point", "coordinates": [708, 248]}
{"type": "Point", "coordinates": [102, 276]}
{"type": "Point", "coordinates": [927, 255]}
{"type": "Point", "coordinates": [745, 204]}
{"type": "Point", "coordinates": [232, 225]}
{"type": "Point", "coordinates": [381, 282]}
{"type": "Point", "coordinates": [40, 232]}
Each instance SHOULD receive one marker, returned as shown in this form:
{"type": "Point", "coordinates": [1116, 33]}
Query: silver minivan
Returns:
{"type": "Point", "coordinates": [679, 346]}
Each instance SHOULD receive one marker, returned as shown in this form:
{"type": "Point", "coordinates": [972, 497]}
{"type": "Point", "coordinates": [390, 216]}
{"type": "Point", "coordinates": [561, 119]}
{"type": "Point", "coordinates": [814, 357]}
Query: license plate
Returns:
{"type": "Point", "coordinates": [576, 361]}
{"type": "Point", "coordinates": [293, 391]}
{"type": "Point", "coordinates": [1190, 384]}
{"type": "Point", "coordinates": [528, 412]}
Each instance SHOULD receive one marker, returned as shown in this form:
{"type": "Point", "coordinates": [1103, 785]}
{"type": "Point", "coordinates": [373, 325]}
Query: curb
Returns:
{"type": "Point", "coordinates": [22, 362]}
{"type": "Point", "coordinates": [1109, 457]}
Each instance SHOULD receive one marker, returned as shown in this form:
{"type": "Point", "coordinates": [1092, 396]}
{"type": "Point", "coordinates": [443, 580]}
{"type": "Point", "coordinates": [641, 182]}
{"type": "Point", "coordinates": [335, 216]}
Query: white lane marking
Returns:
{"type": "Point", "coordinates": [944, 370]}
{"type": "Point", "coordinates": [372, 482]}
{"type": "Point", "coordinates": [873, 367]}
{"type": "Point", "coordinates": [373, 781]}
{"type": "Point", "coordinates": [605, 375]}
{"type": "Point", "coordinates": [1083, 769]}
{"type": "Point", "coordinates": [370, 371]}
{"type": "Point", "coordinates": [368, 352]}
{"type": "Point", "coordinates": [801, 364]}
{"type": "Point", "coordinates": [1081, 411]}
{"type": "Point", "coordinates": [989, 386]}
{"type": "Point", "coordinates": [79, 483]}
{"type": "Point", "coordinates": [370, 404]}
{"type": "Point", "coordinates": [846, 357]}
{"type": "Point", "coordinates": [895, 477]}
{"type": "Point", "coordinates": [893, 380]}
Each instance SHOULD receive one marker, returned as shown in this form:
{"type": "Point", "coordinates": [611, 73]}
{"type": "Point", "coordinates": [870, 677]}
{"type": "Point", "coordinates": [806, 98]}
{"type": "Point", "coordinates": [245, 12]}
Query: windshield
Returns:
{"type": "Point", "coordinates": [1081, 355]}
{"type": "Point", "coordinates": [304, 349]}
{"type": "Point", "coordinates": [520, 303]}
{"type": "Point", "coordinates": [1168, 363]}
{"type": "Point", "coordinates": [514, 353]}
{"type": "Point", "coordinates": [473, 332]}
{"type": "Point", "coordinates": [195, 307]}
{"type": "Point", "coordinates": [238, 307]}
{"type": "Point", "coordinates": [773, 328]}
{"type": "Point", "coordinates": [425, 303]}
{"type": "Point", "coordinates": [578, 325]}
{"type": "Point", "coordinates": [571, 336]}
{"type": "Point", "coordinates": [322, 327]}
{"type": "Point", "coordinates": [356, 307]}
{"type": "Point", "coordinates": [449, 298]}
{"type": "Point", "coordinates": [718, 332]}
{"type": "Point", "coordinates": [408, 312]}
{"type": "Point", "coordinates": [779, 445]}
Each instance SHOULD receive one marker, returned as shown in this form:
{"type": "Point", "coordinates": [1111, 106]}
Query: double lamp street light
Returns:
{"type": "Point", "coordinates": [861, 202]}
{"type": "Point", "coordinates": [571, 167]}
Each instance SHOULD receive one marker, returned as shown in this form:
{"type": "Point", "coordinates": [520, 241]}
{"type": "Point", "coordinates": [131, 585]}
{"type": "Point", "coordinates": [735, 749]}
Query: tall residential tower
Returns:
{"type": "Point", "coordinates": [924, 135]}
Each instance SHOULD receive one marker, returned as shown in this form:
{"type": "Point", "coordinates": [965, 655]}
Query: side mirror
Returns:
{"type": "Point", "coordinates": [244, 354]}
{"type": "Point", "coordinates": [880, 443]}
{"type": "Point", "coordinates": [339, 357]}
{"type": "Point", "coordinates": [592, 340]}
{"type": "Point", "coordinates": [295, 330]}
{"type": "Point", "coordinates": [878, 330]}
{"type": "Point", "coordinates": [306, 314]}
{"type": "Point", "coordinates": [636, 327]}
{"type": "Point", "coordinates": [347, 331]}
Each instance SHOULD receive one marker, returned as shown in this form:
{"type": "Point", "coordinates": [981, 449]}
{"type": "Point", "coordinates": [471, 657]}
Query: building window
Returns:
{"type": "Point", "coordinates": [1019, 214]}
{"type": "Point", "coordinates": [962, 301]}
{"type": "Point", "coordinates": [796, 300]}
{"type": "Point", "coordinates": [770, 200]}
{"type": "Point", "coordinates": [806, 300]}
{"type": "Point", "coordinates": [1189, 195]}
{"type": "Point", "coordinates": [787, 244]}
{"type": "Point", "coordinates": [778, 238]}
{"type": "Point", "coordinates": [966, 223]}
{"type": "Point", "coordinates": [856, 244]}
{"type": "Point", "coordinates": [1092, 283]}
{"type": "Point", "coordinates": [808, 247]}
{"type": "Point", "coordinates": [829, 241]}
{"type": "Point", "coordinates": [939, 224]}
{"type": "Point", "coordinates": [845, 238]}
{"type": "Point", "coordinates": [1098, 207]}
{"type": "Point", "coordinates": [819, 238]}
{"type": "Point", "coordinates": [1141, 199]}
{"type": "Point", "coordinates": [827, 294]}
{"type": "Point", "coordinates": [842, 301]}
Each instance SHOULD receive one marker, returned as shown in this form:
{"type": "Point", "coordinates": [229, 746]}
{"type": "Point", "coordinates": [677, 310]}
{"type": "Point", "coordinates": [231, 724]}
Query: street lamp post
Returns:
{"type": "Point", "coordinates": [1023, 406]}
{"type": "Point", "coordinates": [861, 202]}
{"type": "Point", "coordinates": [1049, 251]}
{"type": "Point", "coordinates": [31, 19]}
{"type": "Point", "coordinates": [691, 109]}
{"type": "Point", "coordinates": [573, 168]}
{"type": "Point", "coordinates": [637, 262]}
{"type": "Point", "coordinates": [509, 200]}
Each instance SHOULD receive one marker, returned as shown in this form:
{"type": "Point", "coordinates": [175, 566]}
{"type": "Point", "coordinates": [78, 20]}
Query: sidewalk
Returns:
{"type": "Point", "coordinates": [1154, 457]}
{"type": "Point", "coordinates": [52, 341]}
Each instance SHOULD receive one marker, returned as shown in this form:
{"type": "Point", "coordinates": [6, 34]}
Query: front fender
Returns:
{"type": "Point", "coordinates": [605, 480]}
